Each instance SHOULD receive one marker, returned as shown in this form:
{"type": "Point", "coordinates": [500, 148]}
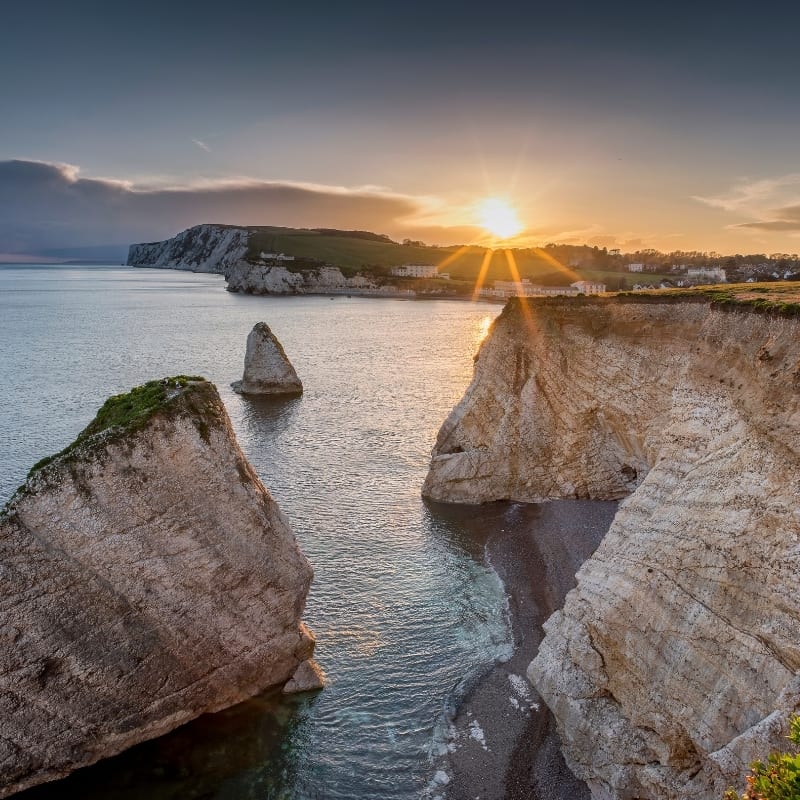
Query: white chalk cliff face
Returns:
{"type": "Point", "coordinates": [146, 577]}
{"type": "Point", "coordinates": [267, 369]}
{"type": "Point", "coordinates": [224, 249]}
{"type": "Point", "coordinates": [203, 248]}
{"type": "Point", "coordinates": [264, 279]}
{"type": "Point", "coordinates": [675, 661]}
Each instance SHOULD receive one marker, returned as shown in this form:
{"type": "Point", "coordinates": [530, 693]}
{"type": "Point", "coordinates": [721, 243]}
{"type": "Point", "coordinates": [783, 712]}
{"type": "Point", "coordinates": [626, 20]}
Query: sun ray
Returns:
{"type": "Point", "coordinates": [453, 257]}
{"type": "Point", "coordinates": [554, 262]}
{"type": "Point", "coordinates": [517, 278]}
{"type": "Point", "coordinates": [487, 260]}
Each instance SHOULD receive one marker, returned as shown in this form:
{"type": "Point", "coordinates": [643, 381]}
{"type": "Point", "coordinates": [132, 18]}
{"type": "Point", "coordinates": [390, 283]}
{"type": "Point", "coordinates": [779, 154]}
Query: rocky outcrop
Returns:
{"type": "Point", "coordinates": [203, 248]}
{"type": "Point", "coordinates": [267, 369]}
{"type": "Point", "coordinates": [675, 660]}
{"type": "Point", "coordinates": [146, 577]}
{"type": "Point", "coordinates": [308, 677]}
{"type": "Point", "coordinates": [249, 278]}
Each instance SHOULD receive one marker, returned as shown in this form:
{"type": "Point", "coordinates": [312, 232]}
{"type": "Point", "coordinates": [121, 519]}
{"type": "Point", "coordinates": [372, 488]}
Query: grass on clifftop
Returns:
{"type": "Point", "coordinates": [127, 410]}
{"type": "Point", "coordinates": [123, 409]}
{"type": "Point", "coordinates": [781, 298]}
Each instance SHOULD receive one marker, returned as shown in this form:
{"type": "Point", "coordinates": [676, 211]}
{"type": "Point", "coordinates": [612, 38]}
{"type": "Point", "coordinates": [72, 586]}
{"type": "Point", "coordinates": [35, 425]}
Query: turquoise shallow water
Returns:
{"type": "Point", "coordinates": [405, 611]}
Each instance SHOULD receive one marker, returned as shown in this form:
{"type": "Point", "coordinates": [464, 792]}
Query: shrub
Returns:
{"type": "Point", "coordinates": [778, 778]}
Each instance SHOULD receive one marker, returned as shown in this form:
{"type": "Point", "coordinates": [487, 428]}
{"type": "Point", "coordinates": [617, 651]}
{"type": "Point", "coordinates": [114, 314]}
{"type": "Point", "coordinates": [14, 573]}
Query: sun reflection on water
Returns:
{"type": "Point", "coordinates": [482, 330]}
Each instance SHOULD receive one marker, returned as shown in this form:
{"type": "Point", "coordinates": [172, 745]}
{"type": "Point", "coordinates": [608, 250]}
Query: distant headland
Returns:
{"type": "Point", "coordinates": [274, 260]}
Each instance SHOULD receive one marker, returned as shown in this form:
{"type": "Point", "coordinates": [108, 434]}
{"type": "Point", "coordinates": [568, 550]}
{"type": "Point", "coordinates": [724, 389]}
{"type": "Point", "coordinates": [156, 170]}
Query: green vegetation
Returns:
{"type": "Point", "coordinates": [354, 251]}
{"type": "Point", "coordinates": [129, 411]}
{"type": "Point", "coordinates": [778, 778]}
{"type": "Point", "coordinates": [782, 299]}
{"type": "Point", "coordinates": [123, 409]}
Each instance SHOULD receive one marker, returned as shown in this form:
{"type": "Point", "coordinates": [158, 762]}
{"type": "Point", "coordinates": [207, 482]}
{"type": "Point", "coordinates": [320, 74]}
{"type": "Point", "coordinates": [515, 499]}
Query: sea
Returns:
{"type": "Point", "coordinates": [406, 610]}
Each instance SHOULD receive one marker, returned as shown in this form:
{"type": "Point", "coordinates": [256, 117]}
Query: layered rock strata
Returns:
{"type": "Point", "coordinates": [267, 369]}
{"type": "Point", "coordinates": [146, 577]}
{"type": "Point", "coordinates": [675, 661]}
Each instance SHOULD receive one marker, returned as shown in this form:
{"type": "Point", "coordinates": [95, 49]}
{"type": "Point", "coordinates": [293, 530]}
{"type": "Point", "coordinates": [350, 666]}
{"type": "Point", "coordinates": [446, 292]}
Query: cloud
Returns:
{"type": "Point", "coordinates": [774, 203]}
{"type": "Point", "coordinates": [201, 144]}
{"type": "Point", "coordinates": [782, 219]}
{"type": "Point", "coordinates": [749, 195]}
{"type": "Point", "coordinates": [47, 206]}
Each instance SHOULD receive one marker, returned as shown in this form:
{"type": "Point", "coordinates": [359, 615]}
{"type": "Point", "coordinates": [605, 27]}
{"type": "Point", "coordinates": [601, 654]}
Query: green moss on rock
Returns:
{"type": "Point", "coordinates": [123, 414]}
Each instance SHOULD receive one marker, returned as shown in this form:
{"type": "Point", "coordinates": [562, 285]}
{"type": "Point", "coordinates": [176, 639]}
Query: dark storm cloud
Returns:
{"type": "Point", "coordinates": [47, 206]}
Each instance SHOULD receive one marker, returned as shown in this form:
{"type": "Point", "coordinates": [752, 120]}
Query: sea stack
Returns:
{"type": "Point", "coordinates": [267, 370]}
{"type": "Point", "coordinates": [146, 577]}
{"type": "Point", "coordinates": [675, 661]}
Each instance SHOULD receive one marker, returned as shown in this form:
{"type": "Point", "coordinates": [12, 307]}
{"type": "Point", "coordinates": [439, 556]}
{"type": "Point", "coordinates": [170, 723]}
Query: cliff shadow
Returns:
{"type": "Point", "coordinates": [249, 750]}
{"type": "Point", "coordinates": [535, 549]}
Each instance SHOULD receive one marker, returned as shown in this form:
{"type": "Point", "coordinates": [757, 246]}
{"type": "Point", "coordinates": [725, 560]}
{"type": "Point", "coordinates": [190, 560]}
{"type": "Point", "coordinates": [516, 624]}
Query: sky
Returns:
{"type": "Point", "coordinates": [628, 125]}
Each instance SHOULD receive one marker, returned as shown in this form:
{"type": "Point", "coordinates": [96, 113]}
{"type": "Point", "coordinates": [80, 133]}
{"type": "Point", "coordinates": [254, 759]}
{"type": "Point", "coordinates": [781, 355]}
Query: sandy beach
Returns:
{"type": "Point", "coordinates": [503, 739]}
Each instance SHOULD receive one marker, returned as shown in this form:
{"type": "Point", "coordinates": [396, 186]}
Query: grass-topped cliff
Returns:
{"type": "Point", "coordinates": [124, 414]}
{"type": "Point", "coordinates": [778, 298]}
{"type": "Point", "coordinates": [774, 297]}
{"type": "Point", "coordinates": [211, 248]}
{"type": "Point", "coordinates": [148, 578]}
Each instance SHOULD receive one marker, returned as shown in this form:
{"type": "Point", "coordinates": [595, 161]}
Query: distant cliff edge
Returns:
{"type": "Point", "coordinates": [203, 248]}
{"type": "Point", "coordinates": [146, 577]}
{"type": "Point", "coordinates": [227, 250]}
{"type": "Point", "coordinates": [675, 660]}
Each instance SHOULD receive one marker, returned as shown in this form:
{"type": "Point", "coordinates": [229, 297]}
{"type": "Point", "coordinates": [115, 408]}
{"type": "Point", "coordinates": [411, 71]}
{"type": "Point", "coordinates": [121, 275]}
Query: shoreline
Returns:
{"type": "Point", "coordinates": [504, 744]}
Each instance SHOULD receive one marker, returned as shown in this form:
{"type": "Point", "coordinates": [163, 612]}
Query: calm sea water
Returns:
{"type": "Point", "coordinates": [405, 611]}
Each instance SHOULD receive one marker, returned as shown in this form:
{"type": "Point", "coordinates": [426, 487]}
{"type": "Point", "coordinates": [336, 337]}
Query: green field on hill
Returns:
{"type": "Point", "coordinates": [353, 251]}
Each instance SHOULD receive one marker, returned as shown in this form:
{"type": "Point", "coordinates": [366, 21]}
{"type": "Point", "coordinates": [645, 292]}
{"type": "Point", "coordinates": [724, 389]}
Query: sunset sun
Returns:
{"type": "Point", "coordinates": [498, 218]}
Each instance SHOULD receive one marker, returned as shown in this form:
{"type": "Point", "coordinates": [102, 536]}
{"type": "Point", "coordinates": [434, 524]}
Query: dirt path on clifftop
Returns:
{"type": "Point", "coordinates": [504, 742]}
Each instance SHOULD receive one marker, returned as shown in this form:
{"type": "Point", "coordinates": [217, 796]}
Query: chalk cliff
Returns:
{"type": "Point", "coordinates": [271, 279]}
{"type": "Point", "coordinates": [202, 248]}
{"type": "Point", "coordinates": [675, 660]}
{"type": "Point", "coordinates": [267, 369]}
{"type": "Point", "coordinates": [225, 249]}
{"type": "Point", "coordinates": [146, 577]}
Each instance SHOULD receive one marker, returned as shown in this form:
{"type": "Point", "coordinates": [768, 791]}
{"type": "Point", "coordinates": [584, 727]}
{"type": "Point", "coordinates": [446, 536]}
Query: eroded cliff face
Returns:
{"type": "Point", "coordinates": [146, 577]}
{"type": "Point", "coordinates": [674, 662]}
{"type": "Point", "coordinates": [265, 279]}
{"type": "Point", "coordinates": [202, 248]}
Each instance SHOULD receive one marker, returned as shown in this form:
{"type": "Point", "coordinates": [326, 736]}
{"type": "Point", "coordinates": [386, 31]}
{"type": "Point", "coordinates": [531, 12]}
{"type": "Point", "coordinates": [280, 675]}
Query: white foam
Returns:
{"type": "Point", "coordinates": [476, 732]}
{"type": "Point", "coordinates": [520, 687]}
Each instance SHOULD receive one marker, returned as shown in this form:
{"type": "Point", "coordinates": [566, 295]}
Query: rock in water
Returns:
{"type": "Point", "coordinates": [267, 370]}
{"type": "Point", "coordinates": [675, 660]}
{"type": "Point", "coordinates": [308, 677]}
{"type": "Point", "coordinates": [146, 577]}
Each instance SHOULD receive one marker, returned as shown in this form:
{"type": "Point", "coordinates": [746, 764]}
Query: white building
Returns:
{"type": "Point", "coordinates": [589, 287]}
{"type": "Point", "coordinates": [636, 267]}
{"type": "Point", "coordinates": [524, 288]}
{"type": "Point", "coordinates": [415, 271]}
{"type": "Point", "coordinates": [276, 257]}
{"type": "Point", "coordinates": [707, 274]}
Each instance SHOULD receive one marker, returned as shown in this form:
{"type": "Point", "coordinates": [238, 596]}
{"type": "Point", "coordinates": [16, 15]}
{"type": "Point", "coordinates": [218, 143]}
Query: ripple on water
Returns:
{"type": "Point", "coordinates": [404, 608]}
